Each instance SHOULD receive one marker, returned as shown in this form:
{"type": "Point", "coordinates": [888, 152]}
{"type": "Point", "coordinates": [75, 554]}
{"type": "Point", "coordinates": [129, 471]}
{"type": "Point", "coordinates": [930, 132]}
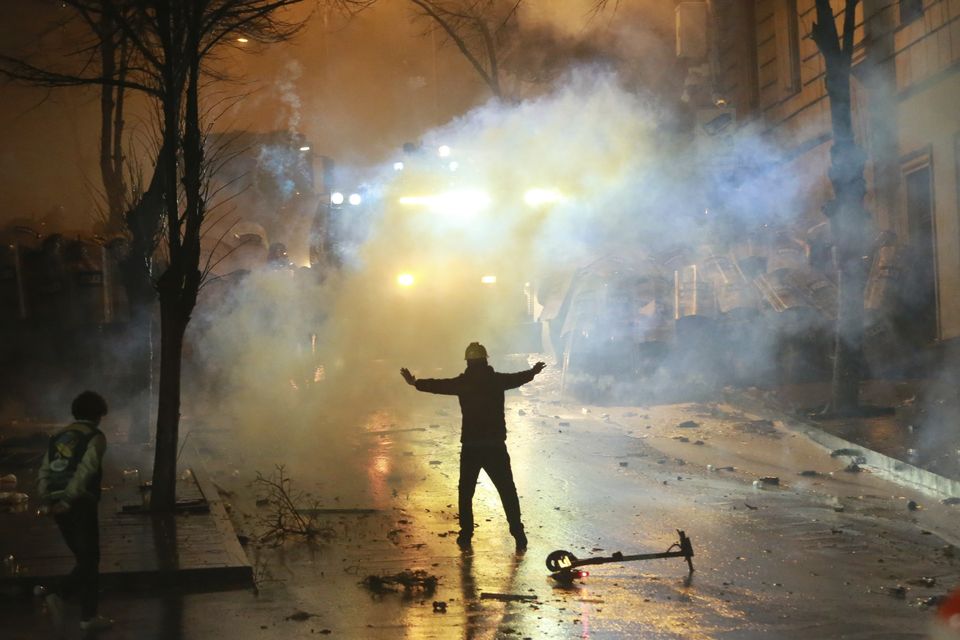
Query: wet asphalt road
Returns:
{"type": "Point", "coordinates": [827, 556]}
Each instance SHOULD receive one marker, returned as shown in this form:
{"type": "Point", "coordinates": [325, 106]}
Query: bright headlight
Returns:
{"type": "Point", "coordinates": [405, 279]}
{"type": "Point", "coordinates": [489, 279]}
{"type": "Point", "coordinates": [537, 197]}
{"type": "Point", "coordinates": [355, 199]}
{"type": "Point", "coordinates": [465, 202]}
{"type": "Point", "coordinates": [336, 198]}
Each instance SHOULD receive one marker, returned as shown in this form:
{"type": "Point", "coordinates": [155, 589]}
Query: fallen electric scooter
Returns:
{"type": "Point", "coordinates": [565, 567]}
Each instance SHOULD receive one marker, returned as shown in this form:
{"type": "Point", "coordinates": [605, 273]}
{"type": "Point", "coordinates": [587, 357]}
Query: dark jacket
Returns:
{"type": "Point", "coordinates": [480, 390]}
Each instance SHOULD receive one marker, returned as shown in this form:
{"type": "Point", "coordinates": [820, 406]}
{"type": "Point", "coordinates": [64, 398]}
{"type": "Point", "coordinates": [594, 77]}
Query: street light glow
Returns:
{"type": "Point", "coordinates": [242, 40]}
{"type": "Point", "coordinates": [489, 279]}
{"type": "Point", "coordinates": [336, 198]}
{"type": "Point", "coordinates": [405, 279]}
{"type": "Point", "coordinates": [304, 148]}
{"type": "Point", "coordinates": [355, 199]}
{"type": "Point", "coordinates": [443, 151]}
{"type": "Point", "coordinates": [398, 166]}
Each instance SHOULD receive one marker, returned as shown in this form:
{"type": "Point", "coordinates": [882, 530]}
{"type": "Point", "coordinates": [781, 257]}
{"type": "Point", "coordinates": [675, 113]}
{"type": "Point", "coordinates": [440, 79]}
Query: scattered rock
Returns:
{"type": "Point", "coordinates": [300, 616]}
{"type": "Point", "coordinates": [809, 473]}
{"type": "Point", "coordinates": [712, 468]}
{"type": "Point", "coordinates": [770, 480]}
{"type": "Point", "coordinates": [520, 412]}
{"type": "Point", "coordinates": [681, 438]}
{"type": "Point", "coordinates": [699, 442]}
{"type": "Point", "coordinates": [564, 424]}
{"type": "Point", "coordinates": [688, 424]}
{"type": "Point", "coordinates": [853, 467]}
{"type": "Point", "coordinates": [950, 501]}
{"type": "Point", "coordinates": [912, 505]}
{"type": "Point", "coordinates": [759, 427]}
{"type": "Point", "coordinates": [899, 592]}
{"type": "Point", "coordinates": [923, 582]}
{"type": "Point", "coordinates": [933, 601]}
{"type": "Point", "coordinates": [624, 464]}
{"type": "Point", "coordinates": [439, 606]}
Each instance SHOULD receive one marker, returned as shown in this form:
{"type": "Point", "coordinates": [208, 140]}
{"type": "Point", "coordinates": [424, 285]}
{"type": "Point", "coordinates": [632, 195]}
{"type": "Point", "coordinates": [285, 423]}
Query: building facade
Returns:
{"type": "Point", "coordinates": [906, 110]}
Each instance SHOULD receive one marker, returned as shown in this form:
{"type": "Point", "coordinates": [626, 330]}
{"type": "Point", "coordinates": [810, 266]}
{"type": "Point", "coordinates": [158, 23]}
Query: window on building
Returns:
{"type": "Point", "coordinates": [910, 10]}
{"type": "Point", "coordinates": [788, 46]}
{"type": "Point", "coordinates": [919, 293]}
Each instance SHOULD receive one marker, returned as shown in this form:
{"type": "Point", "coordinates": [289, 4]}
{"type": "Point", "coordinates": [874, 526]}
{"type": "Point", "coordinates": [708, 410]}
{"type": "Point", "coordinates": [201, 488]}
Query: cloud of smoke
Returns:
{"type": "Point", "coordinates": [321, 358]}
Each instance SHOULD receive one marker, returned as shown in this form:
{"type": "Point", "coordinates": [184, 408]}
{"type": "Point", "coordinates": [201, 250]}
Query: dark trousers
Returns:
{"type": "Point", "coordinates": [81, 532]}
{"type": "Point", "coordinates": [494, 459]}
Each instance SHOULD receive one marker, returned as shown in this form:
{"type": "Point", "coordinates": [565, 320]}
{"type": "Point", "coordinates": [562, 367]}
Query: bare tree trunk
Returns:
{"type": "Point", "coordinates": [163, 493]}
{"type": "Point", "coordinates": [180, 283]}
{"type": "Point", "coordinates": [849, 221]}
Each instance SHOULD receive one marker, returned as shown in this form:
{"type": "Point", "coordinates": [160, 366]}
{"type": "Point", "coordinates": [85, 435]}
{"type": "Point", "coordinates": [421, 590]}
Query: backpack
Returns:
{"type": "Point", "coordinates": [65, 452]}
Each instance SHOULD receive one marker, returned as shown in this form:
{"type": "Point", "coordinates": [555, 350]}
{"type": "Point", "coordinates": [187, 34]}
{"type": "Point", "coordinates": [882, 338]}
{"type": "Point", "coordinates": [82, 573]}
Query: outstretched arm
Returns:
{"type": "Point", "coordinates": [514, 380]}
{"type": "Point", "coordinates": [444, 386]}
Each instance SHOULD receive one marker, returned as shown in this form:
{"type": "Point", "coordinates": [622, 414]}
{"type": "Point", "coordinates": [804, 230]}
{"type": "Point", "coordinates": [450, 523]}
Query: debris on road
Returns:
{"type": "Point", "coordinates": [408, 580]}
{"type": "Point", "coordinates": [912, 505]}
{"type": "Point", "coordinates": [712, 468]}
{"type": "Point", "coordinates": [950, 501]}
{"type": "Point", "coordinates": [844, 451]}
{"type": "Point", "coordinates": [853, 467]}
{"type": "Point", "coordinates": [439, 606]}
{"type": "Point", "coordinates": [767, 480]}
{"type": "Point", "coordinates": [759, 427]}
{"type": "Point", "coordinates": [899, 592]}
{"type": "Point", "coordinates": [681, 438]}
{"type": "Point", "coordinates": [688, 424]}
{"type": "Point", "coordinates": [923, 582]}
{"type": "Point", "coordinates": [508, 597]}
{"type": "Point", "coordinates": [809, 473]}
{"type": "Point", "coordinates": [300, 616]}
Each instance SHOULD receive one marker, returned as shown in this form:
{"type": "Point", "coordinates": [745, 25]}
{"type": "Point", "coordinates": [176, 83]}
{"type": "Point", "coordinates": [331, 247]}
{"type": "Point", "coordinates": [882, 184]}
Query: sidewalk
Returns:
{"type": "Point", "coordinates": [196, 546]}
{"type": "Point", "coordinates": [918, 444]}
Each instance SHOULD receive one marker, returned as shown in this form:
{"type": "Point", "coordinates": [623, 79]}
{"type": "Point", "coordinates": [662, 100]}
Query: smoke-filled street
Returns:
{"type": "Point", "coordinates": [479, 319]}
{"type": "Point", "coordinates": [831, 554]}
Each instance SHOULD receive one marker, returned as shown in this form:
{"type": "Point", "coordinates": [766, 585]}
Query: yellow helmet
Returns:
{"type": "Point", "coordinates": [475, 351]}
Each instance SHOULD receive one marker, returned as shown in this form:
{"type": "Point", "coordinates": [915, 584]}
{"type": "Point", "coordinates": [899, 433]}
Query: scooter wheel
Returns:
{"type": "Point", "coordinates": [560, 559]}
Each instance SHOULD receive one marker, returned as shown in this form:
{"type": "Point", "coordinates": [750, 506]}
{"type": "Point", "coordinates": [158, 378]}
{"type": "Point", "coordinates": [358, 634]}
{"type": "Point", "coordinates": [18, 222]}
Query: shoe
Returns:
{"type": "Point", "coordinates": [521, 540]}
{"type": "Point", "coordinates": [57, 609]}
{"type": "Point", "coordinates": [464, 542]}
{"type": "Point", "coordinates": [96, 623]}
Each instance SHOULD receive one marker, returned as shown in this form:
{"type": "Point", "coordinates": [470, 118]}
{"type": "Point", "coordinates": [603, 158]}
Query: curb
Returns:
{"type": "Point", "coordinates": [927, 482]}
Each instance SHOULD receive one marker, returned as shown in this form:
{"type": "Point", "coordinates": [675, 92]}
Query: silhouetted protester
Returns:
{"type": "Point", "coordinates": [69, 486]}
{"type": "Point", "coordinates": [483, 434]}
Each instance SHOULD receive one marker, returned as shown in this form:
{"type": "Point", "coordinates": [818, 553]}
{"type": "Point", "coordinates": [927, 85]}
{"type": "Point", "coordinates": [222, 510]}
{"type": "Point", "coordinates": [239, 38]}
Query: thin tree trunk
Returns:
{"type": "Point", "coordinates": [163, 493]}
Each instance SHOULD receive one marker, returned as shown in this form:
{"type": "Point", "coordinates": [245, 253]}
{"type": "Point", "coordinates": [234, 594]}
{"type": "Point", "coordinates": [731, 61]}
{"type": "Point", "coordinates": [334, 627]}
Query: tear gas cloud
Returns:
{"type": "Point", "coordinates": [317, 359]}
